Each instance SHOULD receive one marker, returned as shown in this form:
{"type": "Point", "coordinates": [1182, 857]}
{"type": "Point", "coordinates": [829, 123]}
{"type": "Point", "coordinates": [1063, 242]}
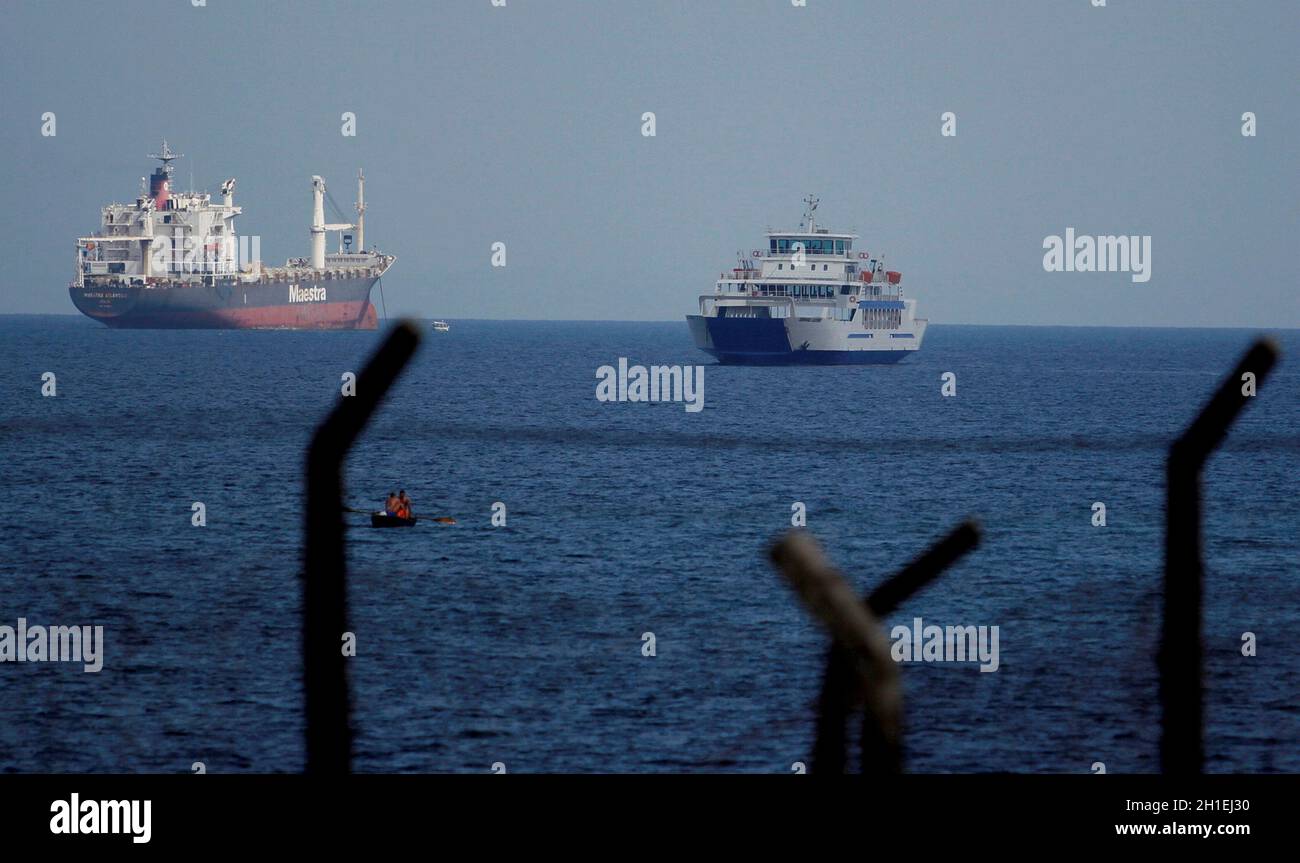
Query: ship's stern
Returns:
{"type": "Point", "coordinates": [108, 304]}
{"type": "Point", "coordinates": [741, 339]}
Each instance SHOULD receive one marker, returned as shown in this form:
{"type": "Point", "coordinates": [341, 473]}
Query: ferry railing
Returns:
{"type": "Point", "coordinates": [1179, 659]}
{"type": "Point", "coordinates": [325, 603]}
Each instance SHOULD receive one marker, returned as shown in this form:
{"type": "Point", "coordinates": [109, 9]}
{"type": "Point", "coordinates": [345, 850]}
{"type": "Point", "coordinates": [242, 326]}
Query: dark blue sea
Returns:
{"type": "Point", "coordinates": [522, 644]}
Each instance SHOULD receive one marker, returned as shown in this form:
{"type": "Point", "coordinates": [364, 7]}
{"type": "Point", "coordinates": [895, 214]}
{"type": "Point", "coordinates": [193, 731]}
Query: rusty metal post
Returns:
{"type": "Point", "coordinates": [860, 639]}
{"type": "Point", "coordinates": [324, 607]}
{"type": "Point", "coordinates": [1179, 659]}
{"type": "Point", "coordinates": [847, 682]}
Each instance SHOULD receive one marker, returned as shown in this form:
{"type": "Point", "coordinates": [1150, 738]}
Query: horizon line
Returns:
{"type": "Point", "coordinates": [79, 316]}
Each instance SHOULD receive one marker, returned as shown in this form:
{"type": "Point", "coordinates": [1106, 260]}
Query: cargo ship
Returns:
{"type": "Point", "coordinates": [808, 298]}
{"type": "Point", "coordinates": [173, 260]}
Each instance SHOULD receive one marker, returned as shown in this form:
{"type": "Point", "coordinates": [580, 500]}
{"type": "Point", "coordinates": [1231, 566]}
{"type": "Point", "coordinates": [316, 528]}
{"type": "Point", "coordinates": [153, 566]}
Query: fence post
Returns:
{"type": "Point", "coordinates": [1179, 659]}
{"type": "Point", "coordinates": [324, 607]}
{"type": "Point", "coordinates": [859, 668]}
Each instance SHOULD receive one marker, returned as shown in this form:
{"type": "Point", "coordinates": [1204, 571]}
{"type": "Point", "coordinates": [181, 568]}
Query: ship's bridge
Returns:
{"type": "Point", "coordinates": [814, 243]}
{"type": "Point", "coordinates": [815, 266]}
{"type": "Point", "coordinates": [810, 254]}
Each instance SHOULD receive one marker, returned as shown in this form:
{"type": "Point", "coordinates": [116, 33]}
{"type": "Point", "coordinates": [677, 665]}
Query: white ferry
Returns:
{"type": "Point", "coordinates": [441, 327]}
{"type": "Point", "coordinates": [808, 298]}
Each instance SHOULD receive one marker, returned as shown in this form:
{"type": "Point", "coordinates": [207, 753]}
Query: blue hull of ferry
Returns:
{"type": "Point", "coordinates": [763, 341]}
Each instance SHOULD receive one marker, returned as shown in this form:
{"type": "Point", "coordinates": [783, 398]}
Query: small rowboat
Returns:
{"type": "Point", "coordinates": [383, 519]}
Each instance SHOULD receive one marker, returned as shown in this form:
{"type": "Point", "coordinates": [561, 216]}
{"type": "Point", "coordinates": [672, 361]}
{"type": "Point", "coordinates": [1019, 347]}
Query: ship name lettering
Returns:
{"type": "Point", "coordinates": [314, 294]}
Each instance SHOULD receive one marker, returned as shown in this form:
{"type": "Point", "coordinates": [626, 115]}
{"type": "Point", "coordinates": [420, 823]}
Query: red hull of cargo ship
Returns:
{"type": "Point", "coordinates": [346, 306]}
{"type": "Point", "coordinates": [319, 316]}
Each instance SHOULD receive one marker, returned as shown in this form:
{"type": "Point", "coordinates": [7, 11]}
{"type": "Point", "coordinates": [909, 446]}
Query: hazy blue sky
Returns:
{"type": "Point", "coordinates": [523, 124]}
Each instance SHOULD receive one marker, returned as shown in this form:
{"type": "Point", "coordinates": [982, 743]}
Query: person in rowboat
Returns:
{"type": "Point", "coordinates": [392, 505]}
{"type": "Point", "coordinates": [404, 505]}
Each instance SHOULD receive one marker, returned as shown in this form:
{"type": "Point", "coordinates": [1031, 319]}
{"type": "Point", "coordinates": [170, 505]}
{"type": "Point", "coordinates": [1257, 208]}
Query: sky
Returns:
{"type": "Point", "coordinates": [522, 125]}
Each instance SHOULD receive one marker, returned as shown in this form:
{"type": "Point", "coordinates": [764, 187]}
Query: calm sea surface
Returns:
{"type": "Point", "coordinates": [523, 644]}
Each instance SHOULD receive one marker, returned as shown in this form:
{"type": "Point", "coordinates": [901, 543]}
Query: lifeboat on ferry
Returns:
{"type": "Point", "coordinates": [893, 277]}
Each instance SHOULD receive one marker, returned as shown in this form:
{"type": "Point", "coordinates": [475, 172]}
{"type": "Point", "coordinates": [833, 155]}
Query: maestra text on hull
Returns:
{"type": "Point", "coordinates": [811, 300]}
{"type": "Point", "coordinates": [173, 260]}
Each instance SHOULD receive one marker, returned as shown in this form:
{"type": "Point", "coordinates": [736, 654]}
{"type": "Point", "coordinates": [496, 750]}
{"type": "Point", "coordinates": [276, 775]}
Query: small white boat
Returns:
{"type": "Point", "coordinates": [441, 326]}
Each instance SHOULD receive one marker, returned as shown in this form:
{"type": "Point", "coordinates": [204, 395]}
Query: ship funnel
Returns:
{"type": "Point", "coordinates": [228, 192]}
{"type": "Point", "coordinates": [318, 223]}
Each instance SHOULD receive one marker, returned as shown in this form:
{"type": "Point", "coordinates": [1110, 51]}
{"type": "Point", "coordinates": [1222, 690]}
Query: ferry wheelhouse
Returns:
{"type": "Point", "coordinates": [809, 297]}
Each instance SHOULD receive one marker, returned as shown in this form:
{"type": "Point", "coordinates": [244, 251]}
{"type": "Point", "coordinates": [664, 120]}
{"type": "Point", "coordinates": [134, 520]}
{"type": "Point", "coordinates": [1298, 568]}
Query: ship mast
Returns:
{"type": "Point", "coordinates": [810, 208]}
{"type": "Point", "coordinates": [317, 223]}
{"type": "Point", "coordinates": [361, 210]}
{"type": "Point", "coordinates": [166, 157]}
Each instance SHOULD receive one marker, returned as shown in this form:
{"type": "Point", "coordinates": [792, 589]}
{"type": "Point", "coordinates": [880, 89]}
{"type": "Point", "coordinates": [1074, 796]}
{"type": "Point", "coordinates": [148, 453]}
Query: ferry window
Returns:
{"type": "Point", "coordinates": [826, 266]}
{"type": "Point", "coordinates": [772, 245]}
{"type": "Point", "coordinates": [839, 247]}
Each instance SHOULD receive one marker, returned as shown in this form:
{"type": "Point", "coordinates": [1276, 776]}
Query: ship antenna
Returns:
{"type": "Point", "coordinates": [810, 203]}
{"type": "Point", "coordinates": [166, 157]}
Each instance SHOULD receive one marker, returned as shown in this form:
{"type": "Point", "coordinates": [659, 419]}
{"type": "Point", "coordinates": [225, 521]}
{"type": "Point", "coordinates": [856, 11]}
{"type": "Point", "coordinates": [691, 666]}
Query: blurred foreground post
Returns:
{"type": "Point", "coordinates": [324, 607]}
{"type": "Point", "coordinates": [859, 668]}
{"type": "Point", "coordinates": [1179, 659]}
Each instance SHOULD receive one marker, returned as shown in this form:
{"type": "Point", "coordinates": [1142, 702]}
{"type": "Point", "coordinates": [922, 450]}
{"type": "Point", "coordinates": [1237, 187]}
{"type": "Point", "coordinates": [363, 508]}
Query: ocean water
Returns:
{"type": "Point", "coordinates": [522, 644]}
